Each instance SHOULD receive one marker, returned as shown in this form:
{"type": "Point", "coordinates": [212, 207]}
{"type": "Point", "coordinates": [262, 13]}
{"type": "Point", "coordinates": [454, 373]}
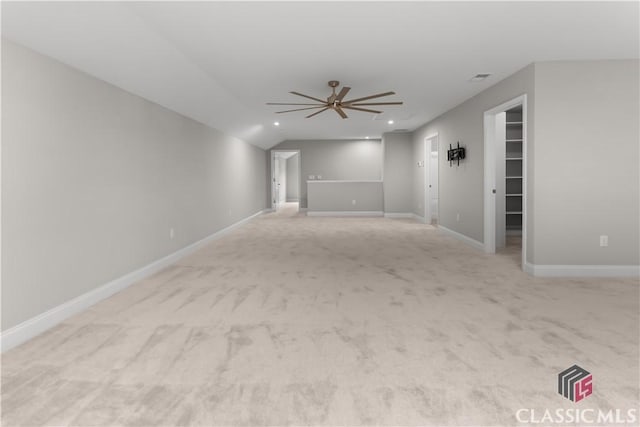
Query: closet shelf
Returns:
{"type": "Point", "coordinates": [514, 165]}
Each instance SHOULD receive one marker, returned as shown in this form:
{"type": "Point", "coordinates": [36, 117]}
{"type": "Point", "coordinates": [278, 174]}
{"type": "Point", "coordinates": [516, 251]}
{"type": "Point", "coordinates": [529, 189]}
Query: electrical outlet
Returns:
{"type": "Point", "coordinates": [319, 177]}
{"type": "Point", "coordinates": [171, 233]}
{"type": "Point", "coordinates": [353, 202]}
{"type": "Point", "coordinates": [312, 177]}
{"type": "Point", "coordinates": [604, 241]}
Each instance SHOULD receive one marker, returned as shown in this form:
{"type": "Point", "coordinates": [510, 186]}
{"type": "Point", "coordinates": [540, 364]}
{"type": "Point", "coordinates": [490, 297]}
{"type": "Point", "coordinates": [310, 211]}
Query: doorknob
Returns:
{"type": "Point", "coordinates": [493, 191]}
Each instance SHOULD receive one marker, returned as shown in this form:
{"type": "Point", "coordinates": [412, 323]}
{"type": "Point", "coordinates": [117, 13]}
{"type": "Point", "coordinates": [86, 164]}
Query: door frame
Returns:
{"type": "Point", "coordinates": [490, 142]}
{"type": "Point", "coordinates": [428, 215]}
{"type": "Point", "coordinates": [272, 177]}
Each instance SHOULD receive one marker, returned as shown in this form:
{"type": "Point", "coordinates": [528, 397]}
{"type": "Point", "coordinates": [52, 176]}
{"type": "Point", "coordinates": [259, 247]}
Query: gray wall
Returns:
{"type": "Point", "coordinates": [93, 178]}
{"type": "Point", "coordinates": [583, 148]}
{"type": "Point", "coordinates": [329, 196]}
{"type": "Point", "coordinates": [586, 162]}
{"type": "Point", "coordinates": [293, 178]}
{"type": "Point", "coordinates": [461, 188]}
{"type": "Point", "coordinates": [359, 160]}
{"type": "Point", "coordinates": [398, 178]}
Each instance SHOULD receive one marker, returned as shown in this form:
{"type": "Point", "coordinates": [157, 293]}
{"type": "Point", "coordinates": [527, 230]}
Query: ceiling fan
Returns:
{"type": "Point", "coordinates": [335, 102]}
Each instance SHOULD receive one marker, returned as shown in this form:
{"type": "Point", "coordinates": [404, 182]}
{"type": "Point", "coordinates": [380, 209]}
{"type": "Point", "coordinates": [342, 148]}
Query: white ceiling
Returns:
{"type": "Point", "coordinates": [219, 62]}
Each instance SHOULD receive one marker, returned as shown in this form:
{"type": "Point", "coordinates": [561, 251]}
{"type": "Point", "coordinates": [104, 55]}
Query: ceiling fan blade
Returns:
{"type": "Point", "coordinates": [317, 112]}
{"type": "Point", "coordinates": [369, 97]}
{"type": "Point", "coordinates": [378, 103]}
{"type": "Point", "coordinates": [299, 109]}
{"type": "Point", "coordinates": [343, 93]}
{"type": "Point", "coordinates": [339, 111]}
{"type": "Point", "coordinates": [361, 109]}
{"type": "Point", "coordinates": [310, 97]}
{"type": "Point", "coordinates": [290, 103]}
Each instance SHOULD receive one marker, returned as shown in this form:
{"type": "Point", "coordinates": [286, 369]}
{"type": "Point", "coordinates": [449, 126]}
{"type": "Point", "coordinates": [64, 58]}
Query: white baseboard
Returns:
{"type": "Point", "coordinates": [468, 240]}
{"type": "Point", "coordinates": [582, 270]}
{"type": "Point", "coordinates": [398, 215]}
{"type": "Point", "coordinates": [30, 328]}
{"type": "Point", "coordinates": [345, 213]}
{"type": "Point", "coordinates": [419, 218]}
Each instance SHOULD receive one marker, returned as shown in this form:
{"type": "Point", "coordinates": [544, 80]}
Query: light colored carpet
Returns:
{"type": "Point", "coordinates": [330, 321]}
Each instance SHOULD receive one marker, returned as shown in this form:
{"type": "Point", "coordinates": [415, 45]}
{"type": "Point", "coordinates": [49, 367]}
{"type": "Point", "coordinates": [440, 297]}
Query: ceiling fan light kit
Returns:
{"type": "Point", "coordinates": [336, 102]}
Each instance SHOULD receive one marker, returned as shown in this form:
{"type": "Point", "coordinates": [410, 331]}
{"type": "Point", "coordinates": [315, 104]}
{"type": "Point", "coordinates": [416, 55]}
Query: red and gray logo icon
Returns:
{"type": "Point", "coordinates": [575, 383]}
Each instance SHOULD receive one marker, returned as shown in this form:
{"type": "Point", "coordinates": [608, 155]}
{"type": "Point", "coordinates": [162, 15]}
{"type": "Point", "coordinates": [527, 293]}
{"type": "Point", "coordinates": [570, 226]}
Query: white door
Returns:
{"type": "Point", "coordinates": [433, 180]}
{"type": "Point", "coordinates": [276, 174]}
{"type": "Point", "coordinates": [430, 164]}
{"type": "Point", "coordinates": [282, 181]}
{"type": "Point", "coordinates": [500, 147]}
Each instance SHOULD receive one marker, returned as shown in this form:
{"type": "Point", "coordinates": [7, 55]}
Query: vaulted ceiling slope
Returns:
{"type": "Point", "coordinates": [220, 62]}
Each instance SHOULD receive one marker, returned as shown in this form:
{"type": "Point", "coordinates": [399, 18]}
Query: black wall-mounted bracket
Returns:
{"type": "Point", "coordinates": [455, 154]}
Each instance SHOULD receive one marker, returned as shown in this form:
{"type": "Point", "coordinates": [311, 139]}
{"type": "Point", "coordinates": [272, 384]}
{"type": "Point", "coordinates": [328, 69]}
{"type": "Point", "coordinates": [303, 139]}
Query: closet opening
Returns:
{"type": "Point", "coordinates": [505, 186]}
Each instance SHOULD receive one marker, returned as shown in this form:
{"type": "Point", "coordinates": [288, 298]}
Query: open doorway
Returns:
{"type": "Point", "coordinates": [285, 180]}
{"type": "Point", "coordinates": [505, 190]}
{"type": "Point", "coordinates": [431, 179]}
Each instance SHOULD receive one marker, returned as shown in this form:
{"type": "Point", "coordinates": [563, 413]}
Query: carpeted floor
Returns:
{"type": "Point", "coordinates": [330, 321]}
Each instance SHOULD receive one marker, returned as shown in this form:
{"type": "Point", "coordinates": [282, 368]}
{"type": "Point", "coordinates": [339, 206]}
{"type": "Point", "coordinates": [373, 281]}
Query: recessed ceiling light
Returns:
{"type": "Point", "coordinates": [390, 122]}
{"type": "Point", "coordinates": [276, 123]}
{"type": "Point", "coordinates": [366, 137]}
{"type": "Point", "coordinates": [479, 77]}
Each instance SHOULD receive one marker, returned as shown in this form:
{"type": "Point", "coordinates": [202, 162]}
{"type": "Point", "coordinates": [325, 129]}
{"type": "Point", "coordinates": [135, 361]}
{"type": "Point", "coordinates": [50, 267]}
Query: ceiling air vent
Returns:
{"type": "Point", "coordinates": [479, 77]}
{"type": "Point", "coordinates": [401, 130]}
